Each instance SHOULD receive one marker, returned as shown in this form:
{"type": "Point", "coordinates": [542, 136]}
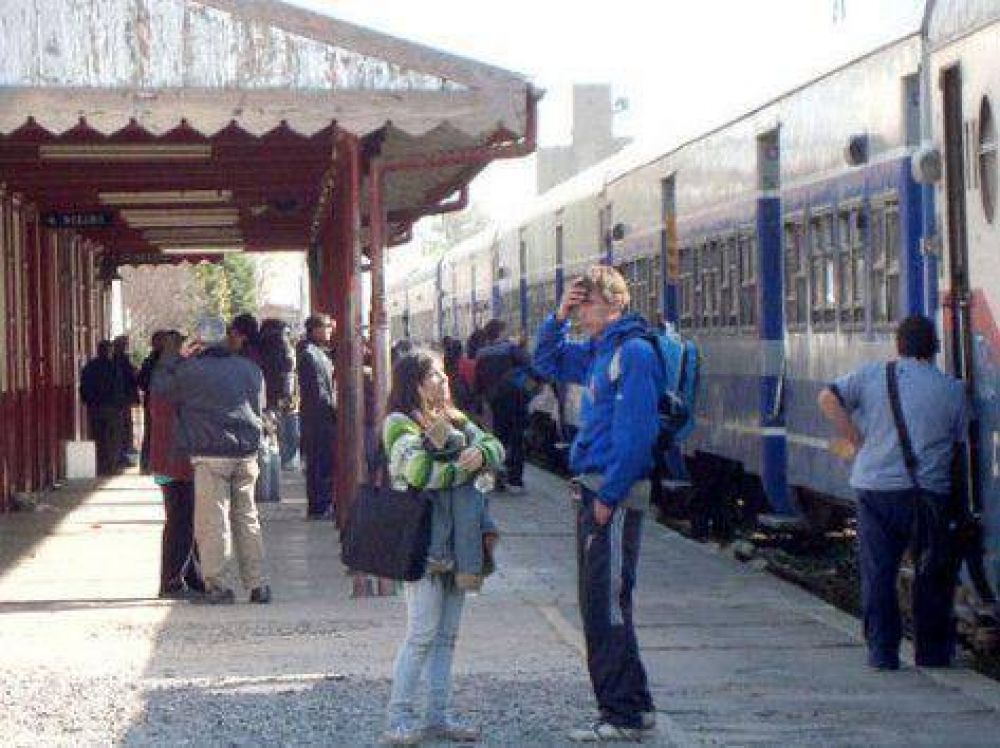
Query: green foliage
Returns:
{"type": "Point", "coordinates": [229, 287]}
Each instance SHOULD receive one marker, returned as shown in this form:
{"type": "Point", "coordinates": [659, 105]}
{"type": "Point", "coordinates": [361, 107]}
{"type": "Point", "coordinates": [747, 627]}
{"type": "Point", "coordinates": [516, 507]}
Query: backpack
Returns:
{"type": "Point", "coordinates": [493, 364]}
{"type": "Point", "coordinates": [676, 407]}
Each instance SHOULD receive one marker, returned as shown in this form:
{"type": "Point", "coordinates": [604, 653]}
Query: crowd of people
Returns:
{"type": "Point", "coordinates": [234, 401]}
{"type": "Point", "coordinates": [225, 411]}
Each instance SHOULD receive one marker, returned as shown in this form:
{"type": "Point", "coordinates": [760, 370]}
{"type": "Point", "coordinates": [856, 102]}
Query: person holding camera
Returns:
{"type": "Point", "coordinates": [433, 447]}
{"type": "Point", "coordinates": [611, 459]}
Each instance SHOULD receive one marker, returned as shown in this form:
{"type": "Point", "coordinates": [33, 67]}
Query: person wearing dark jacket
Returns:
{"type": "Point", "coordinates": [219, 395]}
{"type": "Point", "coordinates": [611, 459]}
{"type": "Point", "coordinates": [497, 363]}
{"type": "Point", "coordinates": [144, 380]}
{"type": "Point", "coordinates": [99, 395]}
{"type": "Point", "coordinates": [127, 390]}
{"type": "Point", "coordinates": [180, 573]}
{"type": "Point", "coordinates": [317, 415]}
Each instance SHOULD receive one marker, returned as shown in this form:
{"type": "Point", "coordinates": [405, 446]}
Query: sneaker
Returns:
{"type": "Point", "coordinates": [401, 735]}
{"type": "Point", "coordinates": [261, 595]}
{"type": "Point", "coordinates": [454, 731]}
{"type": "Point", "coordinates": [515, 489]}
{"type": "Point", "coordinates": [217, 596]}
{"type": "Point", "coordinates": [605, 732]}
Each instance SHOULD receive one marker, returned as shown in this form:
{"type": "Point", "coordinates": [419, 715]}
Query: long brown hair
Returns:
{"type": "Point", "coordinates": [408, 373]}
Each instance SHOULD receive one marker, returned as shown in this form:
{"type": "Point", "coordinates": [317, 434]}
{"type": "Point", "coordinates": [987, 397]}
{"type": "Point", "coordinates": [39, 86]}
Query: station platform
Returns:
{"type": "Point", "coordinates": [736, 657]}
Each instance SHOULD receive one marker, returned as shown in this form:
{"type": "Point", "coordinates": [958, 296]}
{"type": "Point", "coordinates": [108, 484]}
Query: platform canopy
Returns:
{"type": "Point", "coordinates": [165, 126]}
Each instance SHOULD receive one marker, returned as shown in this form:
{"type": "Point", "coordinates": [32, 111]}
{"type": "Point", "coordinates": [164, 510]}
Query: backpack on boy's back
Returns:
{"type": "Point", "coordinates": [676, 406]}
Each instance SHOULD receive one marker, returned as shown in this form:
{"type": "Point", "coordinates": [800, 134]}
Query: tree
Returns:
{"type": "Point", "coordinates": [229, 287]}
{"type": "Point", "coordinates": [162, 297]}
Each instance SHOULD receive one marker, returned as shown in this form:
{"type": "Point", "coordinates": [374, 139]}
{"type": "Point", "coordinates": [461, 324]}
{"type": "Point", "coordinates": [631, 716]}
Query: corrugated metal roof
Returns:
{"type": "Point", "coordinates": [215, 61]}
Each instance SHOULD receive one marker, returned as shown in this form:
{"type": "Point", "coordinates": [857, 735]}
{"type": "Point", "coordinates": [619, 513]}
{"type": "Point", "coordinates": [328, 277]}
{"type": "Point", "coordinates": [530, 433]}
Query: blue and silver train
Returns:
{"type": "Point", "coordinates": [787, 243]}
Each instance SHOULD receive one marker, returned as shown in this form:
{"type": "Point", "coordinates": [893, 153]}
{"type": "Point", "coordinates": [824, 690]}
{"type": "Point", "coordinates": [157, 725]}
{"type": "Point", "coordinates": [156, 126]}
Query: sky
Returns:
{"type": "Point", "coordinates": [684, 67]}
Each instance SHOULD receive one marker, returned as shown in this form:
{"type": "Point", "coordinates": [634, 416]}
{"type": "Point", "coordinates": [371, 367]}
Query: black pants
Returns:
{"type": "Point", "coordinates": [510, 419]}
{"type": "Point", "coordinates": [105, 423]}
{"type": "Point", "coordinates": [607, 557]}
{"type": "Point", "coordinates": [318, 455]}
{"type": "Point", "coordinates": [179, 558]}
{"type": "Point", "coordinates": [888, 523]}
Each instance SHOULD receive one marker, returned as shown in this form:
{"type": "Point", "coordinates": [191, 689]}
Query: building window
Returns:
{"type": "Point", "coordinates": [987, 159]}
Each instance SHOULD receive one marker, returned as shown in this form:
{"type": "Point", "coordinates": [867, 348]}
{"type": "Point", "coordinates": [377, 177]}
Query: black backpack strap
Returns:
{"type": "Point", "coordinates": [897, 415]}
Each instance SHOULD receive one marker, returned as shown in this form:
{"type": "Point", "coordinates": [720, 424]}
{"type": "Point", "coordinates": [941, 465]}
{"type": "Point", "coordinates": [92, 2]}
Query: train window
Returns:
{"type": "Point", "coordinates": [796, 299]}
{"type": "Point", "coordinates": [822, 270]}
{"type": "Point", "coordinates": [748, 278]}
{"type": "Point", "coordinates": [885, 263]}
{"type": "Point", "coordinates": [685, 282]}
{"type": "Point", "coordinates": [850, 264]}
{"type": "Point", "coordinates": [987, 159]}
{"type": "Point", "coordinates": [729, 314]}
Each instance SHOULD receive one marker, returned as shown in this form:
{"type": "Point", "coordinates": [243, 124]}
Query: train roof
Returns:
{"type": "Point", "coordinates": [953, 19]}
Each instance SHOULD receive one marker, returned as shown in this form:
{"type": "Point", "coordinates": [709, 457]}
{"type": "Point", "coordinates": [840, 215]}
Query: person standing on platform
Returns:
{"type": "Point", "coordinates": [611, 459]}
{"type": "Point", "coordinates": [180, 573]}
{"type": "Point", "coordinates": [901, 422]}
{"type": "Point", "coordinates": [104, 416]}
{"type": "Point", "coordinates": [220, 399]}
{"type": "Point", "coordinates": [144, 380]}
{"type": "Point", "coordinates": [497, 364]}
{"type": "Point", "coordinates": [318, 414]}
{"type": "Point", "coordinates": [127, 392]}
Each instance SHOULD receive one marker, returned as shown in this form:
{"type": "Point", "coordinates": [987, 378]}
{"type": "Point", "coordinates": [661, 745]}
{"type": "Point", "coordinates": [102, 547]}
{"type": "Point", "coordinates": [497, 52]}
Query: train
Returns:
{"type": "Point", "coordinates": [787, 243]}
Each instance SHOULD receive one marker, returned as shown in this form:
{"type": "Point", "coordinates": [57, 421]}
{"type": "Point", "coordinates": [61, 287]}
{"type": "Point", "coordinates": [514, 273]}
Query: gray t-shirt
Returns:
{"type": "Point", "coordinates": [936, 413]}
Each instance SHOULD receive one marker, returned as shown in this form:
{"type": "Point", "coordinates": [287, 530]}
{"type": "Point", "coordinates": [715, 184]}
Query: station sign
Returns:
{"type": "Point", "coordinates": [94, 219]}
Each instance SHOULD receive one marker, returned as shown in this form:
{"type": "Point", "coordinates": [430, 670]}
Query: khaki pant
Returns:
{"type": "Point", "coordinates": [225, 515]}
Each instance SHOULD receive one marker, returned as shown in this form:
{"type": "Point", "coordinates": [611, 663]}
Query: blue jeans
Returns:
{"type": "Point", "coordinates": [433, 612]}
{"type": "Point", "coordinates": [288, 436]}
{"type": "Point", "coordinates": [458, 520]}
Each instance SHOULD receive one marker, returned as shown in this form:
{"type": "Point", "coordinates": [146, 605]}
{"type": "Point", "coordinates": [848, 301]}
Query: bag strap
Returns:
{"type": "Point", "coordinates": [909, 458]}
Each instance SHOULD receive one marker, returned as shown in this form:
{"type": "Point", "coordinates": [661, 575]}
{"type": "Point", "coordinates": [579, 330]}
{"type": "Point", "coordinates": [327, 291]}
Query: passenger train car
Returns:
{"type": "Point", "coordinates": [788, 244]}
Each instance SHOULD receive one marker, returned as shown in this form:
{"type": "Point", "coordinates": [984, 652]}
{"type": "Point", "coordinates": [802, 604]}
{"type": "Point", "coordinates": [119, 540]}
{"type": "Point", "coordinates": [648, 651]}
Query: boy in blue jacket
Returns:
{"type": "Point", "coordinates": [611, 459]}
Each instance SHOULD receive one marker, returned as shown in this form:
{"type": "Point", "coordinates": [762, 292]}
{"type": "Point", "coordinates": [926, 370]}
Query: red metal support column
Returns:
{"type": "Point", "coordinates": [379, 316]}
{"type": "Point", "coordinates": [347, 305]}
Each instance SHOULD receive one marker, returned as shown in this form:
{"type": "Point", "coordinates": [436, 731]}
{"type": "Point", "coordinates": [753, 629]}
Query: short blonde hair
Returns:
{"type": "Point", "coordinates": [609, 283]}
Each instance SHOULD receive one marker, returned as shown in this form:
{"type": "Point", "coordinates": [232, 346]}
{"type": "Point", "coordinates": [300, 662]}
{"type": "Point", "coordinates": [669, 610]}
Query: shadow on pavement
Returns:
{"type": "Point", "coordinates": [22, 531]}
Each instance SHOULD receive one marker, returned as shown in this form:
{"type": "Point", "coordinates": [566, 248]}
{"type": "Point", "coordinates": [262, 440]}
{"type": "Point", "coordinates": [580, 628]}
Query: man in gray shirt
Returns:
{"type": "Point", "coordinates": [891, 509]}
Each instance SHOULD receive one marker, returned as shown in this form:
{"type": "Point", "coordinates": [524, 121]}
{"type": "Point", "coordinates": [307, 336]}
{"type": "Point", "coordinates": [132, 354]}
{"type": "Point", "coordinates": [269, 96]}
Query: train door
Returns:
{"type": "Point", "coordinates": [958, 327]}
{"type": "Point", "coordinates": [972, 339]}
{"type": "Point", "coordinates": [669, 250]}
{"type": "Point", "coordinates": [770, 324]}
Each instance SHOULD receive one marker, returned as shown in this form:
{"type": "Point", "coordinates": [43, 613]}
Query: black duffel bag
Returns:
{"type": "Point", "coordinates": [388, 532]}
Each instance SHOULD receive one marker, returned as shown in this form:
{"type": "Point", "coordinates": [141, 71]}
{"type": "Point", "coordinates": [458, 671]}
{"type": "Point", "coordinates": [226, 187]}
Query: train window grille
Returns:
{"type": "Point", "coordinates": [796, 275]}
{"type": "Point", "coordinates": [656, 285]}
{"type": "Point", "coordinates": [685, 283]}
{"type": "Point", "coordinates": [885, 263]}
{"type": "Point", "coordinates": [850, 266]}
{"type": "Point", "coordinates": [748, 278]}
{"type": "Point", "coordinates": [822, 271]}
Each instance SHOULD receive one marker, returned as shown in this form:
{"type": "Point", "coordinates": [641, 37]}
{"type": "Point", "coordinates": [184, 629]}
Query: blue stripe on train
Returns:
{"type": "Point", "coordinates": [771, 328]}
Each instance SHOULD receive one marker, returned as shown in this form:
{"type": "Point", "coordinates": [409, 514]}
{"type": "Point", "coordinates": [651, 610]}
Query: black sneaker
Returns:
{"type": "Point", "coordinates": [217, 596]}
{"type": "Point", "coordinates": [261, 595]}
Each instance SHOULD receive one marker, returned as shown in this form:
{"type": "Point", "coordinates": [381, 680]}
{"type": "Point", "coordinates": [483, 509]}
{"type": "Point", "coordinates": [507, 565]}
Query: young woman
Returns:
{"type": "Point", "coordinates": [432, 446]}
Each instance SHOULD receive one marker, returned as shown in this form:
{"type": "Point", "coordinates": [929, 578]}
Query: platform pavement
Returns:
{"type": "Point", "coordinates": [735, 657]}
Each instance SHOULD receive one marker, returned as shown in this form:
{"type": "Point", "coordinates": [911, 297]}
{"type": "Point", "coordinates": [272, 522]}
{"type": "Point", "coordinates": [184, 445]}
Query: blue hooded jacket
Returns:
{"type": "Point", "coordinates": [619, 420]}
